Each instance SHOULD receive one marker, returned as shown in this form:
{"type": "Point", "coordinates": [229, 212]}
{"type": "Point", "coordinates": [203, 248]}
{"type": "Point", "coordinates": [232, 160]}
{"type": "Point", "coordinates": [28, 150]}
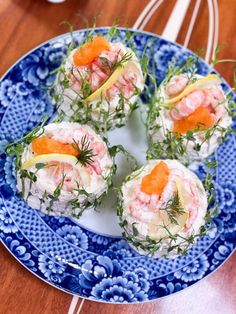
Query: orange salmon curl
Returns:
{"type": "Point", "coordinates": [156, 180]}
{"type": "Point", "coordinates": [86, 54]}
{"type": "Point", "coordinates": [200, 117]}
{"type": "Point", "coordinates": [46, 145]}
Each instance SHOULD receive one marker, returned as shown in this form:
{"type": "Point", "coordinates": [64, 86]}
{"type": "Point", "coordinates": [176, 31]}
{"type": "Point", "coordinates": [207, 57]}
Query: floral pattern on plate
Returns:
{"type": "Point", "coordinates": [71, 257]}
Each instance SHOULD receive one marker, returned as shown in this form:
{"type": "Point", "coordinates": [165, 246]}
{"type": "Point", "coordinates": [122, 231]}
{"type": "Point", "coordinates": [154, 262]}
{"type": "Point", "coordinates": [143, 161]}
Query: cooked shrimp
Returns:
{"type": "Point", "coordinates": [187, 105]}
{"type": "Point", "coordinates": [76, 74]}
{"type": "Point", "coordinates": [99, 71]}
{"type": "Point", "coordinates": [141, 211]}
{"type": "Point", "coordinates": [124, 85]}
{"type": "Point", "coordinates": [143, 197]}
{"type": "Point", "coordinates": [127, 83]}
{"type": "Point", "coordinates": [64, 136]}
{"type": "Point", "coordinates": [98, 76]}
{"type": "Point", "coordinates": [145, 207]}
{"type": "Point", "coordinates": [214, 100]}
{"type": "Point", "coordinates": [63, 173]}
{"type": "Point", "coordinates": [99, 149]}
{"type": "Point", "coordinates": [211, 98]}
{"type": "Point", "coordinates": [176, 85]}
{"type": "Point", "coordinates": [94, 167]}
{"type": "Point", "coordinates": [192, 203]}
{"type": "Point", "coordinates": [67, 137]}
{"type": "Point", "coordinates": [220, 112]}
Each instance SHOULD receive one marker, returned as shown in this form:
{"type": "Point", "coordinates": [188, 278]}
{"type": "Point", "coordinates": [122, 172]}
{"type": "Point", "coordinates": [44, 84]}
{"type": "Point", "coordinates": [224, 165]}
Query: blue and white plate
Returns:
{"type": "Point", "coordinates": [88, 257]}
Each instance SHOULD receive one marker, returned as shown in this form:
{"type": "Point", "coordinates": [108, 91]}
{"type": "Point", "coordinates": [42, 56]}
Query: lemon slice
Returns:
{"type": "Point", "coordinates": [130, 65]}
{"type": "Point", "coordinates": [156, 227]}
{"type": "Point", "coordinates": [63, 158]}
{"type": "Point", "coordinates": [180, 193]}
{"type": "Point", "coordinates": [108, 83]}
{"type": "Point", "coordinates": [45, 158]}
{"type": "Point", "coordinates": [209, 80]}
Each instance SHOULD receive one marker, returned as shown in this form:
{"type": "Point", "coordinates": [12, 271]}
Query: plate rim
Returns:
{"type": "Point", "coordinates": [83, 30]}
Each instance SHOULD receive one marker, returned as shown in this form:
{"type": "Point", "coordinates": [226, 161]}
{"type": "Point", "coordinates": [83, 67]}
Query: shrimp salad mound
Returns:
{"type": "Point", "coordinates": [99, 82]}
{"type": "Point", "coordinates": [162, 206]}
{"type": "Point", "coordinates": [190, 118]}
{"type": "Point", "coordinates": [64, 169]}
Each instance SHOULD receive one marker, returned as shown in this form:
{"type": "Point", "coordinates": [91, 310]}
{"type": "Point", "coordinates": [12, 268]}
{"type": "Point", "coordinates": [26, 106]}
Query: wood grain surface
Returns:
{"type": "Point", "coordinates": [25, 24]}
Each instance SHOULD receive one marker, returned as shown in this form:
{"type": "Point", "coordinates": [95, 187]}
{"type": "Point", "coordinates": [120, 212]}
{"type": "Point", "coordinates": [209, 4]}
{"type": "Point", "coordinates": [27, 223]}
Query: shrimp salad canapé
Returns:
{"type": "Point", "coordinates": [162, 205]}
{"type": "Point", "coordinates": [190, 117]}
{"type": "Point", "coordinates": [64, 169]}
{"type": "Point", "coordinates": [99, 82]}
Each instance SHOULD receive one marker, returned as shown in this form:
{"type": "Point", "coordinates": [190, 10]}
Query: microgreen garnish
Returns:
{"type": "Point", "coordinates": [174, 145]}
{"type": "Point", "coordinates": [176, 243]}
{"type": "Point", "coordinates": [31, 176]}
{"type": "Point", "coordinates": [50, 199]}
{"type": "Point", "coordinates": [16, 148]}
{"type": "Point", "coordinates": [93, 112]}
{"type": "Point", "coordinates": [215, 59]}
{"type": "Point", "coordinates": [189, 67]}
{"type": "Point", "coordinates": [114, 150]}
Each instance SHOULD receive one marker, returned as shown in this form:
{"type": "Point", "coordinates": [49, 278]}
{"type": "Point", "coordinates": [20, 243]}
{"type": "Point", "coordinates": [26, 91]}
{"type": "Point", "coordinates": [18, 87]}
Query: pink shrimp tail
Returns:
{"type": "Point", "coordinates": [125, 85]}
{"type": "Point", "coordinates": [99, 149]}
{"type": "Point", "coordinates": [187, 105]}
{"type": "Point", "coordinates": [193, 209]}
{"type": "Point", "coordinates": [97, 167]}
{"type": "Point", "coordinates": [176, 85]}
{"type": "Point", "coordinates": [100, 70]}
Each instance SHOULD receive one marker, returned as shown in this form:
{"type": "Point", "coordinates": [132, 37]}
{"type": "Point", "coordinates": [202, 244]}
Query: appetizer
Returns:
{"type": "Point", "coordinates": [99, 82]}
{"type": "Point", "coordinates": [162, 208]}
{"type": "Point", "coordinates": [190, 118]}
{"type": "Point", "coordinates": [64, 169]}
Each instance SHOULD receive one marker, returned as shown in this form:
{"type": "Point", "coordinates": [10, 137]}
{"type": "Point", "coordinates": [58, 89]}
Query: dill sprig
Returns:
{"type": "Point", "coordinates": [111, 66]}
{"type": "Point", "coordinates": [85, 153]}
{"type": "Point", "coordinates": [173, 208]}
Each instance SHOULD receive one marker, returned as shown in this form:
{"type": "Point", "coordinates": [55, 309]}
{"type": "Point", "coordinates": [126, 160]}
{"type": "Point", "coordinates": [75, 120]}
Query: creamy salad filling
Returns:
{"type": "Point", "coordinates": [192, 104]}
{"type": "Point", "coordinates": [105, 90]}
{"type": "Point", "coordinates": [158, 204]}
{"type": "Point", "coordinates": [67, 159]}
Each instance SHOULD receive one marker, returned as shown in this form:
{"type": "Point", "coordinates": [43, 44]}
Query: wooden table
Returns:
{"type": "Point", "coordinates": [27, 23]}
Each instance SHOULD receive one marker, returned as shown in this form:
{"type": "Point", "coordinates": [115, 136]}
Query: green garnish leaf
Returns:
{"type": "Point", "coordinates": [40, 165]}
